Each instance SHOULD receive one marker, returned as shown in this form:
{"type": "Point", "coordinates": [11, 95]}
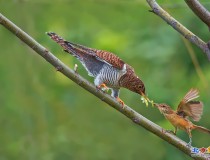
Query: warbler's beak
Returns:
{"type": "Point", "coordinates": [159, 107]}
{"type": "Point", "coordinates": [156, 105]}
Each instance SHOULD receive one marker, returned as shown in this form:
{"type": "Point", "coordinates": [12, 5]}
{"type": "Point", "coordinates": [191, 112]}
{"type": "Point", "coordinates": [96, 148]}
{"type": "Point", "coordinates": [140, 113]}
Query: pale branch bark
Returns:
{"type": "Point", "coordinates": [200, 11]}
{"type": "Point", "coordinates": [179, 27]}
{"type": "Point", "coordinates": [127, 111]}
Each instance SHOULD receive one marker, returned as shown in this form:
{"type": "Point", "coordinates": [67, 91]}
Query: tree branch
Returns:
{"type": "Point", "coordinates": [127, 111]}
{"type": "Point", "coordinates": [200, 11]}
{"type": "Point", "coordinates": [179, 27]}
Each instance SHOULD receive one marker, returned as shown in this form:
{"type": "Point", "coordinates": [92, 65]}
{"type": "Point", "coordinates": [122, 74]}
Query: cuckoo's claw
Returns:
{"type": "Point", "coordinates": [103, 87]}
{"type": "Point", "coordinates": [120, 101]}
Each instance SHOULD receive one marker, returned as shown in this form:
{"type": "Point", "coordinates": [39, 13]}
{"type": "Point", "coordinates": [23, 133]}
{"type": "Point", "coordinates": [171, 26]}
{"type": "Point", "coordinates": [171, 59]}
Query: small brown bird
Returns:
{"type": "Point", "coordinates": [108, 70]}
{"type": "Point", "coordinates": [188, 107]}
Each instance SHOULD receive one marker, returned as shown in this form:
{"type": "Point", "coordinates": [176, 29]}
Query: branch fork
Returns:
{"type": "Point", "coordinates": [179, 27]}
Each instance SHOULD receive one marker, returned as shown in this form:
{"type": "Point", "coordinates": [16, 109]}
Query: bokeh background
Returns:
{"type": "Point", "coordinates": [44, 115]}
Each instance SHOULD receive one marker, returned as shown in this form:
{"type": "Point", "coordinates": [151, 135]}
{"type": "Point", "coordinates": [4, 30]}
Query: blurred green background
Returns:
{"type": "Point", "coordinates": [45, 116]}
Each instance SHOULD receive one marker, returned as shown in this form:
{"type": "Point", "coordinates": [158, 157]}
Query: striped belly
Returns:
{"type": "Point", "coordinates": [110, 76]}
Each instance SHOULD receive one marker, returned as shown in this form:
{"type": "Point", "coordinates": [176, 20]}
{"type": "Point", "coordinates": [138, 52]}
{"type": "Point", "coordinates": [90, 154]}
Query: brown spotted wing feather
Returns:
{"type": "Point", "coordinates": [80, 51]}
{"type": "Point", "coordinates": [110, 58]}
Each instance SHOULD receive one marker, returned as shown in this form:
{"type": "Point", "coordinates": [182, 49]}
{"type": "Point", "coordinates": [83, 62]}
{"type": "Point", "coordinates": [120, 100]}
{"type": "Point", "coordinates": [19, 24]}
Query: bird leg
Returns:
{"type": "Point", "coordinates": [190, 137]}
{"type": "Point", "coordinates": [171, 131]}
{"type": "Point", "coordinates": [103, 87]}
{"type": "Point", "coordinates": [190, 143]}
{"type": "Point", "coordinates": [115, 94]}
{"type": "Point", "coordinates": [120, 101]}
{"type": "Point", "coordinates": [175, 130]}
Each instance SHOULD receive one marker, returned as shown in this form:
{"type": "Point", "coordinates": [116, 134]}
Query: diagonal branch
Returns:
{"type": "Point", "coordinates": [200, 11]}
{"type": "Point", "coordinates": [127, 111]}
{"type": "Point", "coordinates": [179, 27]}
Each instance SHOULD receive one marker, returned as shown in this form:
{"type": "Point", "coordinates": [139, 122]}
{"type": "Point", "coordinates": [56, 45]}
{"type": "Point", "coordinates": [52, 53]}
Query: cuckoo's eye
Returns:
{"type": "Point", "coordinates": [139, 86]}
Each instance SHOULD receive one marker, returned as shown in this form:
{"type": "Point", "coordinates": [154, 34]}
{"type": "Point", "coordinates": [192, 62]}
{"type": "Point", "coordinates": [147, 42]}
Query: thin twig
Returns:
{"type": "Point", "coordinates": [127, 111]}
{"type": "Point", "coordinates": [179, 27]}
{"type": "Point", "coordinates": [200, 11]}
{"type": "Point", "coordinates": [196, 64]}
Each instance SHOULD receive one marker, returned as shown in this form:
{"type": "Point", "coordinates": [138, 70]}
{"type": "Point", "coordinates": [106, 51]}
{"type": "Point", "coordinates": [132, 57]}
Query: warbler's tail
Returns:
{"type": "Point", "coordinates": [202, 129]}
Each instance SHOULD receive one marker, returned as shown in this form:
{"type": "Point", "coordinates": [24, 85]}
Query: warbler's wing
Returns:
{"type": "Point", "coordinates": [189, 108]}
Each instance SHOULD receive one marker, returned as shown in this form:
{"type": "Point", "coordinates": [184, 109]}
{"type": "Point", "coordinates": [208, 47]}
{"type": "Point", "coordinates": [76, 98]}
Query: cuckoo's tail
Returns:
{"type": "Point", "coordinates": [59, 40]}
{"type": "Point", "coordinates": [74, 49]}
{"type": "Point", "coordinates": [202, 129]}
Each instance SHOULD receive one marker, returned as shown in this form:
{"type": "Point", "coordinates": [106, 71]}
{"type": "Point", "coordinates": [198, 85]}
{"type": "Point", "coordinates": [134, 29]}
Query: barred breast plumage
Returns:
{"type": "Point", "coordinates": [107, 68]}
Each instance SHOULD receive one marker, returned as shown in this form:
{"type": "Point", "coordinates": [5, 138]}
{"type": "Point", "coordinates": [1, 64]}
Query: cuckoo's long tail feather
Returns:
{"type": "Point", "coordinates": [74, 49]}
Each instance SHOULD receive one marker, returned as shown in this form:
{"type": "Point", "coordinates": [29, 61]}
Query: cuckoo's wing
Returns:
{"type": "Point", "coordinates": [80, 51]}
{"type": "Point", "coordinates": [189, 108]}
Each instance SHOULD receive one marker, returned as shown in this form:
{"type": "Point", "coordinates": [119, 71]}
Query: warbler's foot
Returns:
{"type": "Point", "coordinates": [170, 131]}
{"type": "Point", "coordinates": [120, 101]}
{"type": "Point", "coordinates": [189, 145]}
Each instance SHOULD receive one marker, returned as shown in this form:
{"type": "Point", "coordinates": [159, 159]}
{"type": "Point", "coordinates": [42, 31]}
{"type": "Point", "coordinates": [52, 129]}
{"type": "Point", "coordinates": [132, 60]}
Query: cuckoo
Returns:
{"type": "Point", "coordinates": [108, 70]}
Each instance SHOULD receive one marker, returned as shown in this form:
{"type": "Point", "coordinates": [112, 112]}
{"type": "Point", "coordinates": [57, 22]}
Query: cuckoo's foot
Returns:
{"type": "Point", "coordinates": [120, 101]}
{"type": "Point", "coordinates": [103, 87]}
